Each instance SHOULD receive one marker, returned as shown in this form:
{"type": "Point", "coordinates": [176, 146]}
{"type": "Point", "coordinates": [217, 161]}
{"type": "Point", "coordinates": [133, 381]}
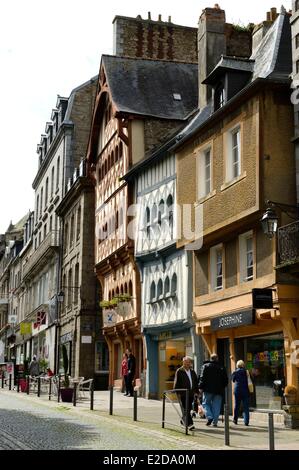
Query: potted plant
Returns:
{"type": "Point", "coordinates": [66, 392]}
{"type": "Point", "coordinates": [43, 364]}
{"type": "Point", "coordinates": [290, 395]}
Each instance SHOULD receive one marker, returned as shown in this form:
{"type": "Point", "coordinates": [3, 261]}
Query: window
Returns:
{"type": "Point", "coordinates": [41, 202]}
{"type": "Point", "coordinates": [46, 192]}
{"type": "Point", "coordinates": [52, 180]}
{"type": "Point", "coordinates": [148, 222]}
{"type": "Point", "coordinates": [161, 212]}
{"type": "Point", "coordinates": [174, 284]}
{"type": "Point", "coordinates": [297, 66]}
{"type": "Point", "coordinates": [72, 230]}
{"type": "Point", "coordinates": [76, 291]}
{"type": "Point", "coordinates": [216, 267]}
{"type": "Point", "coordinates": [246, 257]}
{"type": "Point", "coordinates": [169, 203]}
{"type": "Point", "coordinates": [57, 172]}
{"type": "Point", "coordinates": [233, 160]}
{"type": "Point", "coordinates": [219, 97]}
{"type": "Point", "coordinates": [66, 236]}
{"type": "Point", "coordinates": [37, 207]}
{"type": "Point", "coordinates": [297, 41]}
{"type": "Point", "coordinates": [167, 286]}
{"type": "Point", "coordinates": [69, 290]}
{"type": "Point", "coordinates": [204, 173]}
{"type": "Point", "coordinates": [160, 289]}
{"type": "Point", "coordinates": [78, 223]}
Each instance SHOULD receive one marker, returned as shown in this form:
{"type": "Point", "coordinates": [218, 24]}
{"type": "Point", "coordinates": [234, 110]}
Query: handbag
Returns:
{"type": "Point", "coordinates": [250, 383]}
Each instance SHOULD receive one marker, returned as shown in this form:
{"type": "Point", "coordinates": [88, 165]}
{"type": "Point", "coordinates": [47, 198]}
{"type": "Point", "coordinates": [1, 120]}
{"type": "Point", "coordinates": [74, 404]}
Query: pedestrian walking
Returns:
{"type": "Point", "coordinates": [131, 372]}
{"type": "Point", "coordinates": [34, 367]}
{"type": "Point", "coordinates": [186, 378]}
{"type": "Point", "coordinates": [212, 383]}
{"type": "Point", "coordinates": [124, 373]}
{"type": "Point", "coordinates": [241, 392]}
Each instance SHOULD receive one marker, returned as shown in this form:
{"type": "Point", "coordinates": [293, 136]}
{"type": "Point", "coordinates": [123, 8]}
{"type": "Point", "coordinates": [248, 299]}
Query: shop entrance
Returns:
{"type": "Point", "coordinates": [224, 359]}
{"type": "Point", "coordinates": [264, 358]}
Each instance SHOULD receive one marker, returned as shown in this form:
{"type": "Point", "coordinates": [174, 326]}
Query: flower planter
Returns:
{"type": "Point", "coordinates": [23, 385]}
{"type": "Point", "coordinates": [66, 395]}
{"type": "Point", "coordinates": [290, 399]}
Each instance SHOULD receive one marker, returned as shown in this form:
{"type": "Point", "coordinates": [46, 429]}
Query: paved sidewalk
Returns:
{"type": "Point", "coordinates": [149, 418]}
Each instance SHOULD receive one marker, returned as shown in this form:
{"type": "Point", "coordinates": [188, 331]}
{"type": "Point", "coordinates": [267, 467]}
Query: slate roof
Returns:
{"type": "Point", "coordinates": [271, 61]}
{"type": "Point", "coordinates": [147, 87]}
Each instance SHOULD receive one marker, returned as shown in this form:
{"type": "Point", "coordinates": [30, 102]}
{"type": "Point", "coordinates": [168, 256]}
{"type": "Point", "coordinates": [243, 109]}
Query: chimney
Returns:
{"type": "Point", "coordinates": [273, 14]}
{"type": "Point", "coordinates": [160, 18]}
{"type": "Point", "coordinates": [211, 45]}
{"type": "Point", "coordinates": [149, 17]}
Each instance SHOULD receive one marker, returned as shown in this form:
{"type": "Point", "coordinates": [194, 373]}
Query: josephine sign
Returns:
{"type": "Point", "coordinates": [242, 318]}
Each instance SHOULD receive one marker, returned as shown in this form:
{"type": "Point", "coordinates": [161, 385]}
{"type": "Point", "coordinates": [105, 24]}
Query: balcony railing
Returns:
{"type": "Point", "coordinates": [51, 241]}
{"type": "Point", "coordinates": [288, 244]}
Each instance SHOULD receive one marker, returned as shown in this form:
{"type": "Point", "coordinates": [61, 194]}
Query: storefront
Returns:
{"type": "Point", "coordinates": [165, 352]}
{"type": "Point", "coordinates": [260, 344]}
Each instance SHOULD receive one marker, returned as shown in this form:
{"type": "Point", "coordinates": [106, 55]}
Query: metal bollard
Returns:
{"type": "Point", "coordinates": [38, 386]}
{"type": "Point", "coordinates": [135, 406]}
{"type": "Point", "coordinates": [58, 389]}
{"type": "Point", "coordinates": [163, 410]}
{"type": "Point", "coordinates": [187, 412]}
{"type": "Point", "coordinates": [91, 395]}
{"type": "Point", "coordinates": [9, 387]}
{"type": "Point", "coordinates": [2, 380]}
{"type": "Point", "coordinates": [50, 387]}
{"type": "Point", "coordinates": [28, 384]}
{"type": "Point", "coordinates": [271, 432]}
{"type": "Point", "coordinates": [18, 383]}
{"type": "Point", "coordinates": [111, 400]}
{"type": "Point", "coordinates": [75, 395]}
{"type": "Point", "coordinates": [226, 425]}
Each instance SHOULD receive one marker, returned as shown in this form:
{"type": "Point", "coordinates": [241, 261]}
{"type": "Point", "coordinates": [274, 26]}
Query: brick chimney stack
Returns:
{"type": "Point", "coordinates": [211, 45]}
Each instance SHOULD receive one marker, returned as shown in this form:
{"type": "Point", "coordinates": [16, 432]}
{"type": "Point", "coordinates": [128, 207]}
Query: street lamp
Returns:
{"type": "Point", "coordinates": [269, 220]}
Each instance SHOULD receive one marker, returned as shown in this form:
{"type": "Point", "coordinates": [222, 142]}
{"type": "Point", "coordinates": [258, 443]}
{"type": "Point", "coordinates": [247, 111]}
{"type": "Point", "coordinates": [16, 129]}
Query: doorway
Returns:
{"type": "Point", "coordinates": [224, 359]}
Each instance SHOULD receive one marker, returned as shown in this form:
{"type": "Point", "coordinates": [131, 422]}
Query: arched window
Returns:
{"type": "Point", "coordinates": [169, 204]}
{"type": "Point", "coordinates": [113, 295]}
{"type": "Point", "coordinates": [174, 284]}
{"type": "Point", "coordinates": [126, 288]}
{"type": "Point", "coordinates": [116, 154]}
{"type": "Point", "coordinates": [116, 221]}
{"type": "Point", "coordinates": [161, 212]}
{"type": "Point", "coordinates": [109, 295]}
{"type": "Point", "coordinates": [106, 171]}
{"type": "Point", "coordinates": [121, 289]}
{"type": "Point", "coordinates": [167, 286]}
{"type": "Point", "coordinates": [120, 150]}
{"type": "Point", "coordinates": [117, 291]}
{"type": "Point", "coordinates": [46, 192]}
{"type": "Point", "coordinates": [131, 288]}
{"type": "Point", "coordinates": [160, 289]}
{"type": "Point", "coordinates": [58, 173]}
{"type": "Point", "coordinates": [109, 162]}
{"type": "Point", "coordinates": [153, 291]}
{"type": "Point", "coordinates": [148, 222]}
{"type": "Point", "coordinates": [112, 159]}
{"type": "Point", "coordinates": [154, 213]}
{"type": "Point", "coordinates": [100, 173]}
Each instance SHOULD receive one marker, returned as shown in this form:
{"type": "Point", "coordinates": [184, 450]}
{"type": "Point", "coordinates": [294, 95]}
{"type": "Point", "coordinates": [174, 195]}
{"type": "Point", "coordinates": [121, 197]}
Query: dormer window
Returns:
{"type": "Point", "coordinates": [219, 97]}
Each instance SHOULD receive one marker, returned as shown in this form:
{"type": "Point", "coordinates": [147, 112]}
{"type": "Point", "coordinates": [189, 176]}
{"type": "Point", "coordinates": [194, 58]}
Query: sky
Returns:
{"type": "Point", "coordinates": [47, 48]}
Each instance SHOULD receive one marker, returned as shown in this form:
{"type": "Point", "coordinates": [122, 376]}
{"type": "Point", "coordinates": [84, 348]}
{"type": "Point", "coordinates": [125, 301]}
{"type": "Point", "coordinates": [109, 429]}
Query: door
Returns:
{"type": "Point", "coordinates": [224, 360]}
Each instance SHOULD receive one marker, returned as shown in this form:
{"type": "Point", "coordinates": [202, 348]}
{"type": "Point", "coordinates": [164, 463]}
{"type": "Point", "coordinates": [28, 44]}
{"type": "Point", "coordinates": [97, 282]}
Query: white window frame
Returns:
{"type": "Point", "coordinates": [243, 257]}
{"type": "Point", "coordinates": [233, 165]}
{"type": "Point", "coordinates": [213, 268]}
{"type": "Point", "coordinates": [202, 180]}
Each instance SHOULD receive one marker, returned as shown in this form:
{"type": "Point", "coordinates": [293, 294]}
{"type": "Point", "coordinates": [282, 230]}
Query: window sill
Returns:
{"type": "Point", "coordinates": [205, 198]}
{"type": "Point", "coordinates": [234, 181]}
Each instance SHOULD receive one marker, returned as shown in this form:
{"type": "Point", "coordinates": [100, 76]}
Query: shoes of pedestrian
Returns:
{"type": "Point", "coordinates": [209, 422]}
{"type": "Point", "coordinates": [215, 425]}
{"type": "Point", "coordinates": [235, 421]}
{"type": "Point", "coordinates": [125, 394]}
{"type": "Point", "coordinates": [191, 428]}
{"type": "Point", "coordinates": [246, 424]}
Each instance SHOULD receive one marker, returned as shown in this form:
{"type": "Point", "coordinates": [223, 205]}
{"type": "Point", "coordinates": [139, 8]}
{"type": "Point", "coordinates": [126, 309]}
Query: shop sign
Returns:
{"type": "Point", "coordinates": [165, 335]}
{"type": "Point", "coordinates": [109, 318]}
{"type": "Point", "coordinates": [262, 298]}
{"type": "Point", "coordinates": [25, 328]}
{"type": "Point", "coordinates": [234, 320]}
{"type": "Point", "coordinates": [12, 319]}
{"type": "Point", "coordinates": [67, 338]}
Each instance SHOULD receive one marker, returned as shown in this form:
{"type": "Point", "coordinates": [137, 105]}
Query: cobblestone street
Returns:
{"type": "Point", "coordinates": [25, 425]}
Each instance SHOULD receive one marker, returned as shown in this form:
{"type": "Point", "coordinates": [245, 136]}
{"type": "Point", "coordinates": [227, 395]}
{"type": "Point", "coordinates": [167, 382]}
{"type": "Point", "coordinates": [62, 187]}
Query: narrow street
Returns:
{"type": "Point", "coordinates": [31, 426]}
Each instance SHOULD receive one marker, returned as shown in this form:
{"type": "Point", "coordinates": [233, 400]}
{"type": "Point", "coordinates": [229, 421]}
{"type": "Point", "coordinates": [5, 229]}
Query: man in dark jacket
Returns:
{"type": "Point", "coordinates": [131, 371]}
{"type": "Point", "coordinates": [213, 380]}
{"type": "Point", "coordinates": [186, 378]}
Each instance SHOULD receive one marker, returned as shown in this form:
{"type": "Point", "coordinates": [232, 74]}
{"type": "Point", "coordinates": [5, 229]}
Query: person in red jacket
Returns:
{"type": "Point", "coordinates": [124, 373]}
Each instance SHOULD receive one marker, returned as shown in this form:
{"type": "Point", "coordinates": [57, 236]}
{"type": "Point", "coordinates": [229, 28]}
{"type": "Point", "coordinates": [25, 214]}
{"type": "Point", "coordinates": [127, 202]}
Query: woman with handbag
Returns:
{"type": "Point", "coordinates": [240, 378]}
